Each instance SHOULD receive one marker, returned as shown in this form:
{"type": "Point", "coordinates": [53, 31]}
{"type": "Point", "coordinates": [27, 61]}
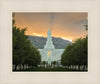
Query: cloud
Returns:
{"type": "Point", "coordinates": [68, 25]}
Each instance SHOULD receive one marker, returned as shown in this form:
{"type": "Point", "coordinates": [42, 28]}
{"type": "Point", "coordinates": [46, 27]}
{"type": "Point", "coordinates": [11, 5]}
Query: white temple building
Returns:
{"type": "Point", "coordinates": [49, 53]}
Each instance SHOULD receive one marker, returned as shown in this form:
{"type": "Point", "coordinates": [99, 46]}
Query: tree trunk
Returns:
{"type": "Point", "coordinates": [79, 67]}
{"type": "Point", "coordinates": [15, 67]}
{"type": "Point", "coordinates": [19, 67]}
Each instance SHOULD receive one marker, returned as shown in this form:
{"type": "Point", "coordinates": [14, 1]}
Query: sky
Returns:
{"type": "Point", "coordinates": [68, 26]}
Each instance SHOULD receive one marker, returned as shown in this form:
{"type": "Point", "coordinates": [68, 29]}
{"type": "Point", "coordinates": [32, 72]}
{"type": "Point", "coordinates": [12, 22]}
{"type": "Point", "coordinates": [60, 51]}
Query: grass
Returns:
{"type": "Point", "coordinates": [49, 70]}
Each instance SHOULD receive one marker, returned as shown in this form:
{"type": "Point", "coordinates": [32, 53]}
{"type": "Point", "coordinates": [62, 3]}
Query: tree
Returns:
{"type": "Point", "coordinates": [76, 53]}
{"type": "Point", "coordinates": [86, 27]}
{"type": "Point", "coordinates": [54, 62]}
{"type": "Point", "coordinates": [44, 62]}
{"type": "Point", "coordinates": [23, 51]}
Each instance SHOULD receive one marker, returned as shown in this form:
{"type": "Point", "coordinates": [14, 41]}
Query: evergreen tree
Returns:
{"type": "Point", "coordinates": [23, 51]}
{"type": "Point", "coordinates": [76, 53]}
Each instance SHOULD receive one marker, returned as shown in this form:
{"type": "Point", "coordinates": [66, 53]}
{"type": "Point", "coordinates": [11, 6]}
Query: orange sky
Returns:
{"type": "Point", "coordinates": [65, 25]}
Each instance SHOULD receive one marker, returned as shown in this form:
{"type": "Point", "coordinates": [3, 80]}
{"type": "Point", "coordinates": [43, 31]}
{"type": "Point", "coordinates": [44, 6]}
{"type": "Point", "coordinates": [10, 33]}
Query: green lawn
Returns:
{"type": "Point", "coordinates": [49, 70]}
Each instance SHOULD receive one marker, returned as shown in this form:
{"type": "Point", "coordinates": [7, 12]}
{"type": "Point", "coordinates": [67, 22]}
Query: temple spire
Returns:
{"type": "Point", "coordinates": [49, 43]}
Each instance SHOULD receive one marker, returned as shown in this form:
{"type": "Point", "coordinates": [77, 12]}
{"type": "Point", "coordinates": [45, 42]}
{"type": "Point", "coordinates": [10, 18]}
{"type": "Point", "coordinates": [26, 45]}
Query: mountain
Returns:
{"type": "Point", "coordinates": [39, 42]}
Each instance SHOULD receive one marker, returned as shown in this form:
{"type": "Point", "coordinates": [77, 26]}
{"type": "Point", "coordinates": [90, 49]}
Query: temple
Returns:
{"type": "Point", "coordinates": [49, 53]}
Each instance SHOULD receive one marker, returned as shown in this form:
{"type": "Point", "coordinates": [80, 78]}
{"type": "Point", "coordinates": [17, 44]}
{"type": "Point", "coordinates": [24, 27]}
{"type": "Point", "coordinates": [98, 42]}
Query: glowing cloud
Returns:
{"type": "Point", "coordinates": [66, 38]}
{"type": "Point", "coordinates": [68, 26]}
{"type": "Point", "coordinates": [36, 34]}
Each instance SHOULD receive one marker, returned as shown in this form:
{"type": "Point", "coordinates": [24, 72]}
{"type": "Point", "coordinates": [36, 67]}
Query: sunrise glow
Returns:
{"type": "Point", "coordinates": [40, 35]}
{"type": "Point", "coordinates": [67, 26]}
{"type": "Point", "coordinates": [35, 34]}
{"type": "Point", "coordinates": [66, 38]}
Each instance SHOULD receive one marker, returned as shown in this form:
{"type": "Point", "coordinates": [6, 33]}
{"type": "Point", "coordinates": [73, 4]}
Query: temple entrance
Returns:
{"type": "Point", "coordinates": [49, 58]}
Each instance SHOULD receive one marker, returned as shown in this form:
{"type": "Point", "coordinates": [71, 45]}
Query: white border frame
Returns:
{"type": "Point", "coordinates": [9, 77]}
